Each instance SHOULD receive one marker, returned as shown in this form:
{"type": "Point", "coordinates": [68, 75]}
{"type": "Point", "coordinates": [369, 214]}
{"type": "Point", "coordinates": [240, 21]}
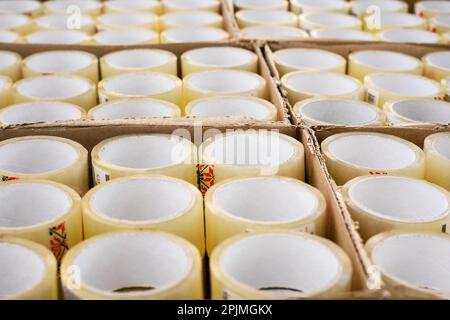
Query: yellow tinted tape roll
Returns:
{"type": "Point", "coordinates": [18, 23]}
{"type": "Point", "coordinates": [249, 18]}
{"type": "Point", "coordinates": [9, 37]}
{"type": "Point", "coordinates": [193, 34]}
{"type": "Point", "coordinates": [10, 65]}
{"type": "Point", "coordinates": [134, 60]}
{"type": "Point", "coordinates": [446, 85]}
{"type": "Point", "coordinates": [301, 266]}
{"type": "Point", "coordinates": [45, 157]}
{"type": "Point", "coordinates": [349, 155]}
{"type": "Point", "coordinates": [440, 24]}
{"type": "Point", "coordinates": [154, 6]}
{"type": "Point", "coordinates": [124, 37]}
{"type": "Point", "coordinates": [92, 8]}
{"type": "Point", "coordinates": [190, 5]}
{"type": "Point", "coordinates": [147, 265]}
{"type": "Point", "coordinates": [82, 23]}
{"type": "Point", "coordinates": [242, 205]}
{"type": "Point", "coordinates": [145, 203]}
{"type": "Point", "coordinates": [393, 20]}
{"type": "Point", "coordinates": [51, 216]}
{"type": "Point", "coordinates": [258, 4]}
{"type": "Point", "coordinates": [125, 20]}
{"type": "Point", "coordinates": [414, 111]}
{"type": "Point", "coordinates": [78, 63]}
{"type": "Point", "coordinates": [409, 36]}
{"type": "Point", "coordinates": [430, 9]}
{"type": "Point", "coordinates": [28, 8]}
{"type": "Point", "coordinates": [383, 203]}
{"type": "Point", "coordinates": [299, 6]}
{"type": "Point", "coordinates": [5, 91]}
{"type": "Point", "coordinates": [62, 37]}
{"type": "Point", "coordinates": [436, 65]}
{"type": "Point", "coordinates": [273, 33]}
{"type": "Point", "coordinates": [28, 271]}
{"type": "Point", "coordinates": [165, 154]}
{"type": "Point", "coordinates": [182, 19]}
{"type": "Point", "coordinates": [363, 8]}
{"type": "Point", "coordinates": [321, 20]}
{"type": "Point", "coordinates": [437, 153]}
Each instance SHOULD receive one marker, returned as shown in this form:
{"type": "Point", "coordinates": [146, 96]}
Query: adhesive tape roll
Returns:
{"type": "Point", "coordinates": [9, 37]}
{"type": "Point", "coordinates": [382, 87]}
{"type": "Point", "coordinates": [296, 265]}
{"type": "Point", "coordinates": [409, 36]}
{"type": "Point", "coordinates": [353, 154]}
{"type": "Point", "coordinates": [124, 37]}
{"type": "Point", "coordinates": [51, 215]}
{"type": "Point", "coordinates": [261, 4]}
{"type": "Point", "coordinates": [300, 6]}
{"type": "Point", "coordinates": [48, 111]}
{"type": "Point", "coordinates": [361, 8]}
{"type": "Point", "coordinates": [78, 63]}
{"type": "Point", "coordinates": [343, 34]}
{"type": "Point", "coordinates": [212, 58]}
{"type": "Point", "coordinates": [45, 157]}
{"type": "Point", "coordinates": [134, 60]}
{"type": "Point", "coordinates": [64, 88]}
{"type": "Point", "coordinates": [429, 9]}
{"type": "Point", "coordinates": [155, 85]}
{"type": "Point", "coordinates": [28, 271]}
{"type": "Point", "coordinates": [135, 108]}
{"type": "Point", "coordinates": [193, 34]}
{"type": "Point", "coordinates": [362, 63]}
{"type": "Point", "coordinates": [300, 59]}
{"type": "Point", "coordinates": [249, 18]}
{"type": "Point", "coordinates": [414, 111]}
{"type": "Point", "coordinates": [319, 20]}
{"type": "Point", "coordinates": [182, 19]}
{"type": "Point", "coordinates": [147, 265]}
{"type": "Point", "coordinates": [301, 85]}
{"type": "Point", "coordinates": [394, 20]}
{"type": "Point", "coordinates": [83, 23]}
{"type": "Point", "coordinates": [63, 37]}
{"type": "Point", "coordinates": [190, 5]}
{"type": "Point", "coordinates": [92, 8]}
{"type": "Point", "coordinates": [5, 91]}
{"type": "Point", "coordinates": [145, 203]}
{"type": "Point", "coordinates": [154, 6]}
{"type": "Point", "coordinates": [125, 20]}
{"type": "Point", "coordinates": [446, 37]}
{"type": "Point", "coordinates": [386, 203]}
{"type": "Point", "coordinates": [440, 24]}
{"type": "Point", "coordinates": [446, 85]}
{"type": "Point", "coordinates": [10, 63]}
{"type": "Point", "coordinates": [273, 33]}
{"type": "Point", "coordinates": [15, 22]}
{"type": "Point", "coordinates": [338, 112]}
{"type": "Point", "coordinates": [166, 154]}
{"type": "Point", "coordinates": [242, 205]}
{"type": "Point", "coordinates": [437, 154]}
{"type": "Point", "coordinates": [29, 8]}
{"type": "Point", "coordinates": [417, 261]}
{"type": "Point", "coordinates": [437, 65]}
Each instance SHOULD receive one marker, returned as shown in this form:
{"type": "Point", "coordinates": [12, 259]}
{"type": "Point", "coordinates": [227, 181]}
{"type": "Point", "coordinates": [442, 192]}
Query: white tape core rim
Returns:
{"type": "Point", "coordinates": [142, 201]}
{"type": "Point", "coordinates": [22, 7]}
{"type": "Point", "coordinates": [225, 57]}
{"type": "Point", "coordinates": [308, 58]}
{"type": "Point", "coordinates": [410, 35]}
{"type": "Point", "coordinates": [272, 17]}
{"type": "Point", "coordinates": [124, 19]}
{"type": "Point", "coordinates": [21, 269]}
{"type": "Point", "coordinates": [274, 32]}
{"type": "Point", "coordinates": [225, 81]}
{"type": "Point", "coordinates": [442, 145]}
{"type": "Point", "coordinates": [257, 200]}
{"type": "Point", "coordinates": [329, 19]}
{"type": "Point", "coordinates": [440, 7]}
{"type": "Point", "coordinates": [11, 21]}
{"type": "Point", "coordinates": [44, 203]}
{"type": "Point", "coordinates": [423, 110]}
{"type": "Point", "coordinates": [135, 108]}
{"type": "Point", "coordinates": [53, 87]}
{"type": "Point", "coordinates": [7, 59]}
{"type": "Point", "coordinates": [62, 6]}
{"type": "Point", "coordinates": [422, 260]}
{"type": "Point", "coordinates": [190, 18]}
{"type": "Point", "coordinates": [386, 60]}
{"type": "Point", "coordinates": [145, 262]}
{"type": "Point", "coordinates": [135, 5]}
{"type": "Point", "coordinates": [146, 151]}
{"type": "Point", "coordinates": [8, 36]}
{"type": "Point", "coordinates": [440, 59]}
{"type": "Point", "coordinates": [342, 34]}
{"type": "Point", "coordinates": [128, 36]}
{"type": "Point", "coordinates": [195, 34]}
{"type": "Point", "coordinates": [57, 37]}
{"type": "Point", "coordinates": [61, 21]}
{"type": "Point", "coordinates": [303, 265]}
{"type": "Point", "coordinates": [261, 4]}
{"type": "Point", "coordinates": [139, 58]}
{"type": "Point", "coordinates": [190, 4]}
{"type": "Point", "coordinates": [405, 84]}
{"type": "Point", "coordinates": [372, 151]}
{"type": "Point", "coordinates": [140, 84]}
{"type": "Point", "coordinates": [400, 20]}
{"type": "Point", "coordinates": [322, 83]}
{"type": "Point", "coordinates": [400, 199]}
{"type": "Point", "coordinates": [441, 20]}
{"type": "Point", "coordinates": [59, 61]}
{"type": "Point", "coordinates": [319, 5]}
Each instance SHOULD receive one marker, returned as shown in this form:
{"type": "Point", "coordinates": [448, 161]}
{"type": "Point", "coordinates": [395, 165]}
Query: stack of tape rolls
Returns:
{"type": "Point", "coordinates": [9, 37]}
{"type": "Point", "coordinates": [262, 32]}
{"type": "Point", "coordinates": [261, 4]}
{"type": "Point", "coordinates": [45, 157]}
{"type": "Point", "coordinates": [440, 24]}
{"type": "Point", "coordinates": [50, 216]}
{"type": "Point", "coordinates": [67, 37]}
{"type": "Point", "coordinates": [190, 5]}
{"type": "Point", "coordinates": [437, 65]}
{"type": "Point", "coordinates": [165, 154]}
{"type": "Point", "coordinates": [211, 58]}
{"type": "Point", "coordinates": [362, 63]}
{"type": "Point", "coordinates": [296, 265]}
{"type": "Point", "coordinates": [63, 22]}
{"type": "Point", "coordinates": [300, 6]}
{"type": "Point", "coordinates": [249, 18]}
{"type": "Point", "coordinates": [343, 34]}
{"type": "Point", "coordinates": [418, 261]}
{"type": "Point", "coordinates": [136, 5]}
{"type": "Point", "coordinates": [193, 34]}
{"type": "Point", "coordinates": [134, 60]}
{"type": "Point", "coordinates": [10, 63]}
{"type": "Point", "coordinates": [147, 265]}
{"type": "Point", "coordinates": [78, 63]}
{"type": "Point", "coordinates": [92, 8]}
{"type": "Point", "coordinates": [15, 22]}
{"type": "Point", "coordinates": [321, 20]}
{"type": "Point", "coordinates": [409, 35]}
{"type": "Point", "coordinates": [29, 8]}
{"type": "Point", "coordinates": [134, 108]}
{"type": "Point", "coordinates": [145, 203]}
{"type": "Point", "coordinates": [437, 153]}
{"type": "Point", "coordinates": [5, 91]}
{"type": "Point", "coordinates": [353, 154]}
{"type": "Point", "coordinates": [155, 85]}
{"type": "Point", "coordinates": [362, 8]}
{"type": "Point", "coordinates": [323, 111]}
{"type": "Point", "coordinates": [183, 19]}
{"type": "Point", "coordinates": [28, 271]}
{"type": "Point", "coordinates": [64, 88]}
{"type": "Point", "coordinates": [430, 9]}
{"type": "Point", "coordinates": [383, 203]}
{"type": "Point", "coordinates": [242, 205]}
{"type": "Point", "coordinates": [382, 87]}
{"type": "Point", "coordinates": [413, 111]}
{"type": "Point", "coordinates": [131, 36]}
{"type": "Point", "coordinates": [126, 20]}
{"type": "Point", "coordinates": [446, 85]}
{"type": "Point", "coordinates": [48, 111]}
{"type": "Point", "coordinates": [394, 20]}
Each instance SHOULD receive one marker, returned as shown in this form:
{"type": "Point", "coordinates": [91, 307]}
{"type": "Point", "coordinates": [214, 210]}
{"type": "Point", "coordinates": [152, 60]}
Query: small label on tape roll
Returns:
{"type": "Point", "coordinates": [372, 96]}
{"type": "Point", "coordinates": [205, 176]}
{"type": "Point", "coordinates": [100, 175]}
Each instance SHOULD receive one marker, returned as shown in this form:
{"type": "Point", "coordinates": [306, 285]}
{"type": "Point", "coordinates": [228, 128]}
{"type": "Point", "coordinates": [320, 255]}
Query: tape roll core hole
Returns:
{"type": "Point", "coordinates": [125, 36]}
{"type": "Point", "coordinates": [258, 200]}
{"type": "Point", "coordinates": [405, 84]}
{"type": "Point", "coordinates": [19, 7]}
{"type": "Point", "coordinates": [231, 106]}
{"type": "Point", "coordinates": [440, 59]}
{"type": "Point", "coordinates": [224, 81]}
{"type": "Point", "coordinates": [140, 84]}
{"type": "Point", "coordinates": [429, 111]}
{"type": "Point", "coordinates": [53, 87]}
{"type": "Point", "coordinates": [190, 18]}
{"type": "Point", "coordinates": [195, 34]}
{"type": "Point", "coordinates": [57, 37]}
{"type": "Point", "coordinates": [263, 16]}
{"type": "Point", "coordinates": [360, 7]}
{"type": "Point", "coordinates": [442, 146]}
{"type": "Point", "coordinates": [22, 269]}
{"type": "Point", "coordinates": [138, 59]}
{"type": "Point", "coordinates": [386, 60]}
{"type": "Point", "coordinates": [343, 34]}
{"type": "Point", "coordinates": [7, 59]}
{"type": "Point", "coordinates": [308, 58]}
{"type": "Point", "coordinates": [400, 20]}
{"type": "Point", "coordinates": [62, 6]}
{"type": "Point", "coordinates": [8, 36]}
{"type": "Point", "coordinates": [219, 57]}
{"type": "Point", "coordinates": [274, 32]}
{"type": "Point", "coordinates": [59, 22]}
{"type": "Point", "coordinates": [135, 108]}
{"type": "Point", "coordinates": [322, 83]}
{"type": "Point", "coordinates": [330, 19]}
{"type": "Point", "coordinates": [410, 35]}
{"type": "Point", "coordinates": [262, 4]}
{"type": "Point", "coordinates": [44, 204]}
{"type": "Point", "coordinates": [59, 61]}
{"type": "Point", "coordinates": [12, 21]}
{"type": "Point", "coordinates": [135, 5]}
{"type": "Point", "coordinates": [292, 265]}
{"type": "Point", "coordinates": [127, 19]}
{"type": "Point", "coordinates": [191, 4]}
{"type": "Point", "coordinates": [142, 263]}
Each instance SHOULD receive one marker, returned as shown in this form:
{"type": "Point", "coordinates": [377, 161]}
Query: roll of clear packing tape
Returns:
{"type": "Point", "coordinates": [50, 216]}
{"type": "Point", "coordinates": [249, 18]}
{"type": "Point", "coordinates": [153, 6]}
{"type": "Point", "coordinates": [126, 20]}
{"type": "Point", "coordinates": [384, 86]}
{"type": "Point", "coordinates": [440, 24]}
{"type": "Point", "coordinates": [416, 261]}
{"type": "Point", "coordinates": [353, 154]}
{"type": "Point", "coordinates": [261, 4]}
{"type": "Point", "coordinates": [63, 37]}
{"type": "Point", "coordinates": [242, 205]}
{"type": "Point", "coordinates": [278, 265]}
{"type": "Point", "coordinates": [437, 65]}
{"type": "Point", "coordinates": [83, 23]}
{"type": "Point", "coordinates": [338, 112]}
{"type": "Point", "coordinates": [182, 19]}
{"type": "Point", "coordinates": [273, 33]}
{"type": "Point", "coordinates": [134, 108]}
{"type": "Point", "coordinates": [409, 36]}
{"type": "Point", "coordinates": [18, 23]}
{"type": "Point", "coordinates": [301, 6]}
{"type": "Point", "coordinates": [384, 203]}
{"type": "Point", "coordinates": [212, 58]}
{"type": "Point", "coordinates": [437, 155]}
{"type": "Point", "coordinates": [190, 5]}
{"type": "Point", "coordinates": [48, 111]}
{"type": "Point", "coordinates": [138, 60]}
{"type": "Point", "coordinates": [363, 8]}
{"type": "Point", "coordinates": [45, 157]}
{"type": "Point", "coordinates": [165, 154]}
{"type": "Point", "coordinates": [5, 91]}
{"type": "Point", "coordinates": [301, 85]}
{"type": "Point", "coordinates": [10, 63]}
{"type": "Point", "coordinates": [430, 9]}
{"type": "Point", "coordinates": [9, 37]}
{"type": "Point", "coordinates": [394, 20]}
{"type": "Point", "coordinates": [78, 63]}
{"type": "Point", "coordinates": [155, 85]}
{"type": "Point", "coordinates": [414, 111]}
{"type": "Point", "coordinates": [362, 63]}
{"type": "Point", "coordinates": [343, 34]}
{"type": "Point", "coordinates": [194, 34]}
{"type": "Point", "coordinates": [446, 84]}
{"type": "Point", "coordinates": [29, 8]}
{"type": "Point", "coordinates": [305, 59]}
{"type": "Point", "coordinates": [147, 265]}
{"type": "Point", "coordinates": [64, 88]}
{"type": "Point", "coordinates": [123, 37]}
{"type": "Point", "coordinates": [319, 20]}
{"type": "Point", "coordinates": [92, 8]}
{"type": "Point", "coordinates": [28, 271]}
